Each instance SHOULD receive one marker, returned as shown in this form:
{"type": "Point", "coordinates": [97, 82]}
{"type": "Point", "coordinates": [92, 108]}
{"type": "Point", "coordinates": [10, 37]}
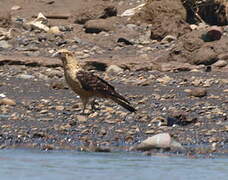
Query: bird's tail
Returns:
{"type": "Point", "coordinates": [124, 104]}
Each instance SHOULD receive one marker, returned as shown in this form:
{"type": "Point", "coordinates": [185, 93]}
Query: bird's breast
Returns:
{"type": "Point", "coordinates": [74, 83]}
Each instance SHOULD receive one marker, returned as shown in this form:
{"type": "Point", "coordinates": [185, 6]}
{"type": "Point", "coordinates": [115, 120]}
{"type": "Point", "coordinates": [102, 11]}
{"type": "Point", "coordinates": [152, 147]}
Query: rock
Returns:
{"type": "Point", "coordinates": [132, 11]}
{"type": "Point", "coordinates": [168, 39]}
{"type": "Point", "coordinates": [5, 45]}
{"type": "Point", "coordinates": [125, 41]}
{"type": "Point", "coordinates": [193, 26]}
{"type": "Point", "coordinates": [59, 108]}
{"type": "Point", "coordinates": [53, 73]}
{"type": "Point", "coordinates": [81, 118]}
{"type": "Point", "coordinates": [220, 63]}
{"type": "Point", "coordinates": [223, 56]}
{"type": "Point", "coordinates": [176, 66]}
{"type": "Point", "coordinates": [159, 141]}
{"type": "Point", "coordinates": [159, 121]}
{"type": "Point", "coordinates": [205, 55]}
{"type": "Point", "coordinates": [114, 69]}
{"type": "Point", "coordinates": [58, 85]}
{"type": "Point", "coordinates": [39, 23]}
{"type": "Point", "coordinates": [192, 49]}
{"type": "Point", "coordinates": [6, 35]}
{"type": "Point", "coordinates": [214, 33]}
{"type": "Point", "coordinates": [26, 76]}
{"type": "Point", "coordinates": [54, 30]}
{"type": "Point", "coordinates": [165, 80]}
{"type": "Point", "coordinates": [95, 65]}
{"type": "Point", "coordinates": [48, 1]}
{"type": "Point", "coordinates": [198, 92]}
{"type": "Point", "coordinates": [180, 118]}
{"type": "Point", "coordinates": [167, 18]}
{"type": "Point", "coordinates": [100, 10]}
{"type": "Point", "coordinates": [2, 95]}
{"type": "Point", "coordinates": [101, 149]}
{"type": "Point", "coordinates": [98, 25]}
{"type": "Point", "coordinates": [7, 101]}
{"type": "Point", "coordinates": [15, 7]}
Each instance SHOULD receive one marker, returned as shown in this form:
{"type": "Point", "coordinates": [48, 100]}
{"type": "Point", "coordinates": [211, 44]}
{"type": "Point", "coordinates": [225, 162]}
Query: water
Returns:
{"type": "Point", "coordinates": [36, 165]}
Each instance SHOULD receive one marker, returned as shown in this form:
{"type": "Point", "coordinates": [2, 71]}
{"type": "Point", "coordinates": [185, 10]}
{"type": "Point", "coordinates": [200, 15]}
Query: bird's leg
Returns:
{"type": "Point", "coordinates": [84, 101]}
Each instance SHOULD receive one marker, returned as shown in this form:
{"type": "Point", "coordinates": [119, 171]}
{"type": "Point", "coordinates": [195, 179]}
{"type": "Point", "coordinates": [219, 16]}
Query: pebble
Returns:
{"type": "Point", "coordinates": [59, 108]}
{"type": "Point", "coordinates": [214, 33]}
{"type": "Point", "coordinates": [7, 101]}
{"type": "Point", "coordinates": [81, 118]}
{"type": "Point", "coordinates": [198, 92]}
{"type": "Point", "coordinates": [5, 45]}
{"type": "Point", "coordinates": [26, 76]}
{"type": "Point", "coordinates": [2, 95]}
{"type": "Point", "coordinates": [168, 39]}
{"type": "Point", "coordinates": [165, 80]}
{"type": "Point", "coordinates": [220, 63]}
{"type": "Point", "coordinates": [15, 7]}
{"type": "Point", "coordinates": [54, 30]}
{"type": "Point", "coordinates": [114, 69]}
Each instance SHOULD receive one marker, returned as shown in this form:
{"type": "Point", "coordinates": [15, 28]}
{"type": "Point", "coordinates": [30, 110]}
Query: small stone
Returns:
{"type": "Point", "coordinates": [132, 11]}
{"type": "Point", "coordinates": [2, 95]}
{"type": "Point", "coordinates": [98, 25]}
{"type": "Point", "coordinates": [180, 118]}
{"type": "Point", "coordinates": [25, 76]}
{"type": "Point", "coordinates": [39, 23]}
{"type": "Point", "coordinates": [214, 33]}
{"type": "Point", "coordinates": [220, 63]}
{"type": "Point", "coordinates": [193, 26]}
{"type": "Point", "coordinates": [150, 131]}
{"type": "Point", "coordinates": [168, 39]}
{"type": "Point", "coordinates": [81, 118]}
{"type": "Point", "coordinates": [15, 7]}
{"type": "Point", "coordinates": [7, 101]}
{"type": "Point", "coordinates": [5, 45]}
{"type": "Point", "coordinates": [58, 85]}
{"type": "Point", "coordinates": [54, 30]}
{"type": "Point", "coordinates": [165, 80]}
{"type": "Point", "coordinates": [44, 111]}
{"type": "Point", "coordinates": [198, 92]}
{"type": "Point", "coordinates": [59, 108]}
{"type": "Point", "coordinates": [124, 41]}
{"type": "Point", "coordinates": [159, 121]}
{"type": "Point", "coordinates": [114, 69]}
{"type": "Point", "coordinates": [223, 56]}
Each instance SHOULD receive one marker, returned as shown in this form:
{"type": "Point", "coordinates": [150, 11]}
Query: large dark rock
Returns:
{"type": "Point", "coordinates": [98, 25]}
{"type": "Point", "coordinates": [167, 18]}
{"type": "Point", "coordinates": [98, 11]}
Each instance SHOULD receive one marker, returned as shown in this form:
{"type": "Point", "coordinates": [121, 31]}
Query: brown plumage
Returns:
{"type": "Point", "coordinates": [86, 84]}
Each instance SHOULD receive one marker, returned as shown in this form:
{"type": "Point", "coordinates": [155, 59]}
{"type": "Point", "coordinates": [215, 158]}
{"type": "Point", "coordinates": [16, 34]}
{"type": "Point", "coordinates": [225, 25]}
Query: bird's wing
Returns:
{"type": "Point", "coordinates": [91, 82]}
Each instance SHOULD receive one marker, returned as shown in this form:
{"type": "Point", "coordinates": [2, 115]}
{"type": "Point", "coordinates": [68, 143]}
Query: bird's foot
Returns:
{"type": "Point", "coordinates": [93, 106]}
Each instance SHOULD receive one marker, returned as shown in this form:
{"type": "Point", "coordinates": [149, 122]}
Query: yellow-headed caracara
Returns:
{"type": "Point", "coordinates": [86, 84]}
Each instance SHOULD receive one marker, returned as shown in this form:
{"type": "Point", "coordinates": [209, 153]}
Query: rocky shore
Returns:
{"type": "Point", "coordinates": [171, 64]}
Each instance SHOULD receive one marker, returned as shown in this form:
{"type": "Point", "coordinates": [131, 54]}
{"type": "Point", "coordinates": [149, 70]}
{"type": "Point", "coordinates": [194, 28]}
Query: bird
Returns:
{"type": "Point", "coordinates": [86, 84]}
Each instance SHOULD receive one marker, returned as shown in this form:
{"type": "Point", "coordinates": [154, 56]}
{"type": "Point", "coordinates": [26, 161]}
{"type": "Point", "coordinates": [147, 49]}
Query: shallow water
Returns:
{"type": "Point", "coordinates": [37, 165]}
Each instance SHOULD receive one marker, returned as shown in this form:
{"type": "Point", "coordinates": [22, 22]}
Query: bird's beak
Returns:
{"type": "Point", "coordinates": [55, 54]}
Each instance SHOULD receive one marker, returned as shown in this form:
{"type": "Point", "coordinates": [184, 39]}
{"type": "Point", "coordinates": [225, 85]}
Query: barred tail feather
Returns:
{"type": "Point", "coordinates": [123, 104]}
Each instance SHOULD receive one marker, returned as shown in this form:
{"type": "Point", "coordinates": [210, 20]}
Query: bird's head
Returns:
{"type": "Point", "coordinates": [63, 54]}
